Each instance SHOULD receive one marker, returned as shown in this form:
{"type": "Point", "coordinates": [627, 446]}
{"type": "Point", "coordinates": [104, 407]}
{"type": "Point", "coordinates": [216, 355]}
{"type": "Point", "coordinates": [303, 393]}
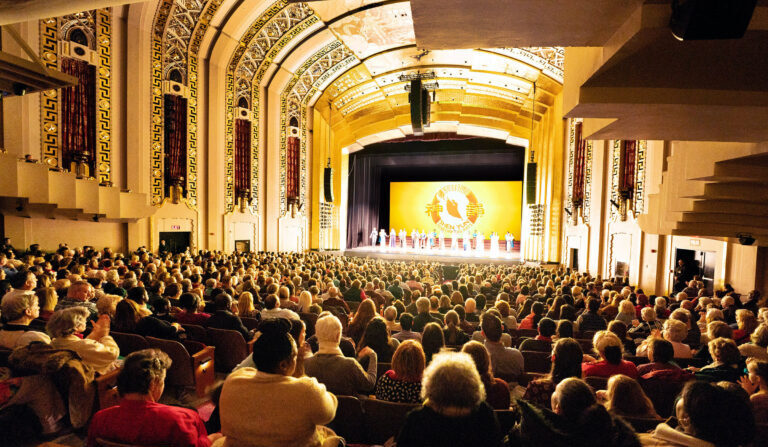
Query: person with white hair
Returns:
{"type": "Point", "coordinates": [20, 310]}
{"type": "Point", "coordinates": [454, 411]}
{"type": "Point", "coordinates": [98, 350]}
{"type": "Point", "coordinates": [674, 332]}
{"type": "Point", "coordinates": [341, 375]}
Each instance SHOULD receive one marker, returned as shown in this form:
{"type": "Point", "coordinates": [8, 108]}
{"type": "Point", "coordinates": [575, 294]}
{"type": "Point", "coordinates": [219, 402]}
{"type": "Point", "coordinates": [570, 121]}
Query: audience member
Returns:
{"type": "Point", "coordinates": [402, 383]}
{"type": "Point", "coordinates": [496, 390]}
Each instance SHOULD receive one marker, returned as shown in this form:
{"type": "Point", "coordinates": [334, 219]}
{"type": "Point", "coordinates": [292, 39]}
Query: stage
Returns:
{"type": "Point", "coordinates": [449, 257]}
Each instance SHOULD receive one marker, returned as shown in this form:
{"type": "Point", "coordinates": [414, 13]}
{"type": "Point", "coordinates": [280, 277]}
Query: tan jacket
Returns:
{"type": "Point", "coordinates": [99, 355]}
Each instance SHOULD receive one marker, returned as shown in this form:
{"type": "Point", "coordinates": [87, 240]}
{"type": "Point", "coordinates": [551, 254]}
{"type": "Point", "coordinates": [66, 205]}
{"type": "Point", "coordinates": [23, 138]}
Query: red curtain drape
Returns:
{"type": "Point", "coordinates": [579, 166]}
{"type": "Point", "coordinates": [292, 163]}
{"type": "Point", "coordinates": [242, 158]}
{"type": "Point", "coordinates": [627, 168]}
{"type": "Point", "coordinates": [78, 114]}
{"type": "Point", "coordinates": [175, 142]}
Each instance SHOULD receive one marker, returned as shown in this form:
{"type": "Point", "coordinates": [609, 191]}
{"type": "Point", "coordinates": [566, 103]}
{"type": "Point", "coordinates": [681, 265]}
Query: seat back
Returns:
{"type": "Point", "coordinates": [531, 333]}
{"type": "Point", "coordinates": [586, 345]}
{"type": "Point", "coordinates": [637, 359]}
{"type": "Point", "coordinates": [384, 419]}
{"type": "Point", "coordinates": [106, 390]}
{"type": "Point", "coordinates": [663, 394]}
{"type": "Point", "coordinates": [309, 320]}
{"type": "Point", "coordinates": [180, 373]}
{"type": "Point", "coordinates": [537, 361]}
{"type": "Point", "coordinates": [193, 347]}
{"type": "Point", "coordinates": [231, 348]}
{"type": "Point", "coordinates": [250, 323]}
{"type": "Point", "coordinates": [349, 421]}
{"type": "Point", "coordinates": [597, 383]}
{"type": "Point", "coordinates": [129, 343]}
{"type": "Point", "coordinates": [196, 333]}
{"type": "Point", "coordinates": [643, 425]}
{"type": "Point", "coordinates": [381, 368]}
{"type": "Point", "coordinates": [100, 442]}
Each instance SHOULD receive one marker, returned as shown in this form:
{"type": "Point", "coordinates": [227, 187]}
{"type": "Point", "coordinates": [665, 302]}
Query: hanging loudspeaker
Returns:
{"type": "Point", "coordinates": [530, 184]}
{"type": "Point", "coordinates": [417, 112]}
{"type": "Point", "coordinates": [328, 184]}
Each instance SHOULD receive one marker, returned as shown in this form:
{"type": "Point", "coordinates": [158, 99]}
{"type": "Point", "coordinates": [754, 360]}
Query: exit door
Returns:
{"type": "Point", "coordinates": [176, 241]}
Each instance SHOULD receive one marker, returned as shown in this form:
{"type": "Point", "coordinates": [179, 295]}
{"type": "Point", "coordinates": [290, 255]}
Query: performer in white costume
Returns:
{"type": "Point", "coordinates": [374, 235]}
{"type": "Point", "coordinates": [402, 235]}
{"type": "Point", "coordinates": [383, 238]}
{"type": "Point", "coordinates": [510, 241]}
{"type": "Point", "coordinates": [455, 241]}
{"type": "Point", "coordinates": [415, 238]}
{"type": "Point", "coordinates": [430, 240]}
{"type": "Point", "coordinates": [494, 243]}
{"type": "Point", "coordinates": [423, 240]}
{"type": "Point", "coordinates": [480, 242]}
{"type": "Point", "coordinates": [392, 238]}
{"type": "Point", "coordinates": [441, 240]}
{"type": "Point", "coordinates": [465, 243]}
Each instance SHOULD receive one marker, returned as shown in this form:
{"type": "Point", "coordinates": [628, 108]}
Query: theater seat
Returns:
{"type": "Point", "coordinates": [231, 348]}
{"type": "Point", "coordinates": [106, 390]}
{"type": "Point", "coordinates": [250, 323]}
{"type": "Point", "coordinates": [309, 320]}
{"type": "Point", "coordinates": [349, 421]}
{"type": "Point", "coordinates": [196, 333]}
{"type": "Point", "coordinates": [663, 394]}
{"type": "Point", "coordinates": [384, 419]}
{"type": "Point", "coordinates": [106, 443]}
{"type": "Point", "coordinates": [196, 370]}
{"type": "Point", "coordinates": [537, 361]}
{"type": "Point", "coordinates": [597, 383]}
{"type": "Point", "coordinates": [129, 343]}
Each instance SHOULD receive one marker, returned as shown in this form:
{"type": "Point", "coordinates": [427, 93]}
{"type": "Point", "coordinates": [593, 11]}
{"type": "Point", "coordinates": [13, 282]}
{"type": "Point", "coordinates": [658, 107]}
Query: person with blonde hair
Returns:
{"type": "Point", "coordinates": [758, 348]}
{"type": "Point", "coordinates": [107, 304]}
{"type": "Point", "coordinates": [305, 301]}
{"type": "Point", "coordinates": [506, 314]}
{"type": "Point", "coordinates": [674, 332]}
{"type": "Point", "coordinates": [746, 323]}
{"type": "Point", "coordinates": [626, 312]}
{"type": "Point", "coordinates": [726, 362]}
{"type": "Point", "coordinates": [609, 349]}
{"type": "Point", "coordinates": [245, 306]}
{"type": "Point", "coordinates": [402, 383]}
{"type": "Point", "coordinates": [624, 397]}
{"type": "Point", "coordinates": [47, 298]}
{"type": "Point", "coordinates": [390, 317]}
{"type": "Point", "coordinates": [454, 411]}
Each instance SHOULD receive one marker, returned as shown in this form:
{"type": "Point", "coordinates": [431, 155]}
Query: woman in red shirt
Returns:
{"type": "Point", "coordinates": [610, 349]}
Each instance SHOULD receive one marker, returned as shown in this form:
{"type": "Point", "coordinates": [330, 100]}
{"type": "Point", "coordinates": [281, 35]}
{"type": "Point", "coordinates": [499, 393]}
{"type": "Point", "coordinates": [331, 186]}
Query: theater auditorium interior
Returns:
{"type": "Point", "coordinates": [400, 223]}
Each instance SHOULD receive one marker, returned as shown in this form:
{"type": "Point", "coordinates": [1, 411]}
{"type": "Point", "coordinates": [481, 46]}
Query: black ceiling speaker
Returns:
{"type": "Point", "coordinates": [328, 184]}
{"type": "Point", "coordinates": [710, 19]}
{"type": "Point", "coordinates": [530, 184]}
{"type": "Point", "coordinates": [746, 239]}
{"type": "Point", "coordinates": [416, 98]}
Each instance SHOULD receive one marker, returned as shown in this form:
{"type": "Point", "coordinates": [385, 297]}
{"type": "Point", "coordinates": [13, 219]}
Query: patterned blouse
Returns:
{"type": "Point", "coordinates": [392, 389]}
{"type": "Point", "coordinates": [539, 393]}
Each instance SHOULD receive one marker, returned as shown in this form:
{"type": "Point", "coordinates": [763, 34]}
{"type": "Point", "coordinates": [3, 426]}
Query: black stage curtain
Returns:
{"type": "Point", "coordinates": [373, 168]}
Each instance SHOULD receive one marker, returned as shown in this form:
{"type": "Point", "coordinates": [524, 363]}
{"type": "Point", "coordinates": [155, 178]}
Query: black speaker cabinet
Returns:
{"type": "Point", "coordinates": [530, 184]}
{"type": "Point", "coordinates": [328, 184]}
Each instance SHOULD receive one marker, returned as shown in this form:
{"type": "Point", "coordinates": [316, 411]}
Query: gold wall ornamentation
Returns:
{"type": "Point", "coordinates": [327, 62]}
{"type": "Point", "coordinates": [259, 46]}
{"type": "Point", "coordinates": [103, 95]}
{"type": "Point", "coordinates": [587, 205]}
{"type": "Point", "coordinates": [178, 30]}
{"type": "Point", "coordinates": [49, 99]}
{"type": "Point", "coordinates": [638, 197]}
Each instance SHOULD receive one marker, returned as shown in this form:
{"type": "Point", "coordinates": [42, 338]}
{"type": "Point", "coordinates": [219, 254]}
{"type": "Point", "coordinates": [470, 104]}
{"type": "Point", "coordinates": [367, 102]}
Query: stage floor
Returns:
{"type": "Point", "coordinates": [442, 256]}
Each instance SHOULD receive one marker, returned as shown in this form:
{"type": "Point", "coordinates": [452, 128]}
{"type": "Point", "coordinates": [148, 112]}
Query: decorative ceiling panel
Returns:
{"type": "Point", "coordinates": [377, 29]}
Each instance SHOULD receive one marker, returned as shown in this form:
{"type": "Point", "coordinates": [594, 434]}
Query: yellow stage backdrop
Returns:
{"type": "Point", "coordinates": [457, 206]}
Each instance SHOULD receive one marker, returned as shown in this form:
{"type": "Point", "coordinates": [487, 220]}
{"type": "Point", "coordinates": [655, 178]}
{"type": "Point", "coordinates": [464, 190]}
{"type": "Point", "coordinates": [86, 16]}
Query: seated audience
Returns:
{"type": "Point", "coordinates": [566, 362]}
{"type": "Point", "coordinates": [140, 384]}
{"type": "Point", "coordinates": [707, 415]}
{"type": "Point", "coordinates": [402, 383]}
{"type": "Point", "coordinates": [746, 323]}
{"type": "Point", "coordinates": [755, 383]}
{"type": "Point", "coordinates": [98, 350]}
{"type": "Point", "coordinates": [273, 310]}
{"type": "Point", "coordinates": [19, 310]}
{"type": "Point", "coordinates": [496, 390]}
{"type": "Point", "coordinates": [507, 363]}
{"type": "Point", "coordinates": [624, 397]}
{"type": "Point", "coordinates": [576, 419]}
{"type": "Point", "coordinates": [390, 317]}
{"type": "Point", "coordinates": [758, 348]}
{"type": "Point", "coordinates": [590, 320]}
{"type": "Point", "coordinates": [564, 330]}
{"type": "Point", "coordinates": [190, 310]}
{"type": "Point", "coordinates": [609, 349]}
{"type": "Point", "coordinates": [245, 306]}
{"type": "Point", "coordinates": [454, 336]}
{"type": "Point", "coordinates": [377, 337]}
{"type": "Point", "coordinates": [341, 375]}
{"type": "Point", "coordinates": [48, 299]}
{"type": "Point", "coordinates": [620, 329]}
{"type": "Point", "coordinates": [223, 318]}
{"type": "Point", "coordinates": [543, 341]}
{"type": "Point", "coordinates": [406, 324]}
{"type": "Point", "coordinates": [531, 321]}
{"type": "Point", "coordinates": [660, 353]}
{"type": "Point", "coordinates": [366, 311]}
{"type": "Point", "coordinates": [626, 313]}
{"type": "Point", "coordinates": [266, 406]}
{"type": "Point", "coordinates": [674, 332]}
{"type": "Point", "coordinates": [423, 317]}
{"type": "Point", "coordinates": [432, 340]}
{"type": "Point", "coordinates": [648, 324]}
{"type": "Point", "coordinates": [454, 412]}
{"type": "Point", "coordinates": [128, 319]}
{"type": "Point", "coordinates": [726, 362]}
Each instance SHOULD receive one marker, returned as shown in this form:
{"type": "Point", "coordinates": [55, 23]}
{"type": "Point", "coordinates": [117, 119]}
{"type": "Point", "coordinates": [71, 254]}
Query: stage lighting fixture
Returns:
{"type": "Point", "coordinates": [710, 19]}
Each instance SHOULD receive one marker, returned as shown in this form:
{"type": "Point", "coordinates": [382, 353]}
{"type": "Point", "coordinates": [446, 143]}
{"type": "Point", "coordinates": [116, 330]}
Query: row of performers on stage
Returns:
{"type": "Point", "coordinates": [436, 240]}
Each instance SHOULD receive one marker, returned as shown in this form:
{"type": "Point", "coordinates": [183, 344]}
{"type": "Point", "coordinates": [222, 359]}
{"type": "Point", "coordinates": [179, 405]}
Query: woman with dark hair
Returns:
{"type": "Point", "coordinates": [432, 340]}
{"type": "Point", "coordinates": [564, 329]}
{"type": "Point", "coordinates": [532, 320]}
{"type": "Point", "coordinates": [610, 350]}
{"type": "Point", "coordinates": [402, 383]}
{"type": "Point", "coordinates": [554, 310]}
{"type": "Point", "coordinates": [576, 419]}
{"type": "Point", "coordinates": [190, 305]}
{"type": "Point", "coordinates": [140, 297]}
{"type": "Point", "coordinates": [707, 415]}
{"type": "Point", "coordinates": [291, 411]}
{"type": "Point", "coordinates": [496, 390]}
{"type": "Point", "coordinates": [566, 362]}
{"type": "Point", "coordinates": [128, 319]}
{"type": "Point", "coordinates": [568, 312]}
{"type": "Point", "coordinates": [140, 384]}
{"type": "Point", "coordinates": [377, 337]}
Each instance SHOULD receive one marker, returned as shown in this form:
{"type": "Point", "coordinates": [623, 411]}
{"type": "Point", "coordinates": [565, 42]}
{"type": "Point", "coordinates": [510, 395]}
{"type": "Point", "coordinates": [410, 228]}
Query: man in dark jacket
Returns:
{"type": "Point", "coordinates": [223, 318]}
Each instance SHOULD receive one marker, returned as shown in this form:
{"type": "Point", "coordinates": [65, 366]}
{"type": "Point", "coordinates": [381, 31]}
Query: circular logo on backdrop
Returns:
{"type": "Point", "coordinates": [455, 208]}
